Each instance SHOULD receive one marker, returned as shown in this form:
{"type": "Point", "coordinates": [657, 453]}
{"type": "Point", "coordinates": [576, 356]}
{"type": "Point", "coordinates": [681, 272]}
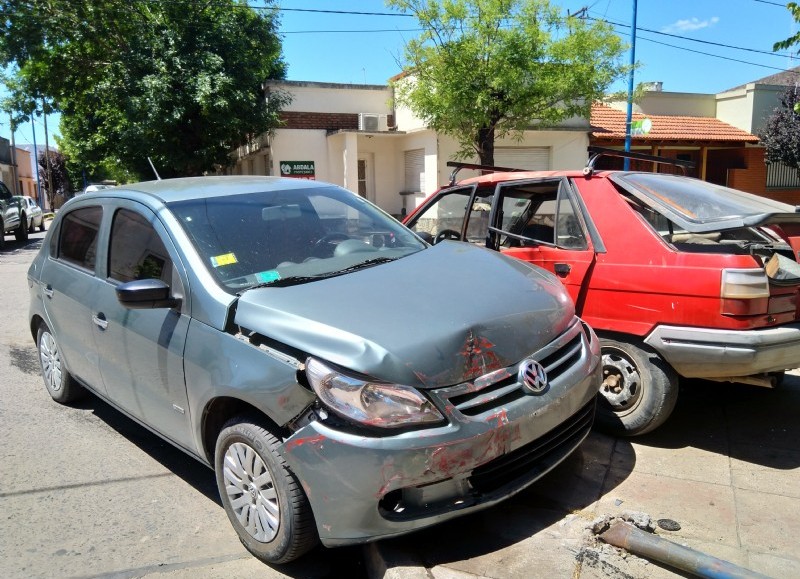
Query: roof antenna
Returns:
{"type": "Point", "coordinates": [153, 167]}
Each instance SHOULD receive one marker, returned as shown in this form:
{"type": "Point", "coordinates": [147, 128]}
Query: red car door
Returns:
{"type": "Point", "coordinates": [541, 221]}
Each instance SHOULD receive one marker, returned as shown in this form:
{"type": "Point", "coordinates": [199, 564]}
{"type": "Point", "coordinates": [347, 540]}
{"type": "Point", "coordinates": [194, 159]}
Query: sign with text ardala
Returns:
{"type": "Point", "coordinates": [298, 169]}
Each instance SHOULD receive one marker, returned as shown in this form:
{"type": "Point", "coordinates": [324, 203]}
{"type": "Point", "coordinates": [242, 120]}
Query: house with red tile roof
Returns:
{"type": "Point", "coordinates": [718, 132]}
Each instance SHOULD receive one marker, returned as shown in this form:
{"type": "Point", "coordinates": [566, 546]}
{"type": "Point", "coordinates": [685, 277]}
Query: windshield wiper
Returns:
{"type": "Point", "coordinates": [362, 265]}
{"type": "Point", "coordinates": [301, 279]}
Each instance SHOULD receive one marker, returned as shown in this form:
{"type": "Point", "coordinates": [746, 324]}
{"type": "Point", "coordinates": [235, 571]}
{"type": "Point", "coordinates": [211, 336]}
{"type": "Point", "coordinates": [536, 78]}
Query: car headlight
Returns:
{"type": "Point", "coordinates": [369, 402]}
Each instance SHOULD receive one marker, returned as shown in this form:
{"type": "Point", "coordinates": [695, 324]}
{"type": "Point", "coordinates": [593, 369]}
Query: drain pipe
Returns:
{"type": "Point", "coordinates": [638, 542]}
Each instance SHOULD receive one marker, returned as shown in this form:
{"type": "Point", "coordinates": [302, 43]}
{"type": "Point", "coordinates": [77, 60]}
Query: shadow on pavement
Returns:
{"type": "Point", "coordinates": [13, 247]}
{"type": "Point", "coordinates": [321, 562]}
{"type": "Point", "coordinates": [749, 423]}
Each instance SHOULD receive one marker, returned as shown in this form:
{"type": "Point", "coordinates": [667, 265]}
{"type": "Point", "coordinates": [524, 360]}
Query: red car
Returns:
{"type": "Point", "coordinates": [679, 277]}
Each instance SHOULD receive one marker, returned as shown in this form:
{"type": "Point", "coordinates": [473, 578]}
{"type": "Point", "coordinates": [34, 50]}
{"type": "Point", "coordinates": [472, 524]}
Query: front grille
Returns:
{"type": "Point", "coordinates": [535, 458]}
{"type": "Point", "coordinates": [502, 387]}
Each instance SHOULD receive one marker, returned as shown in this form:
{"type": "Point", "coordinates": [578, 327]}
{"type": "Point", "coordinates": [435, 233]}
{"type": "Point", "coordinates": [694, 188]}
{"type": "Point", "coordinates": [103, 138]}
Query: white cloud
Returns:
{"type": "Point", "coordinates": [690, 24]}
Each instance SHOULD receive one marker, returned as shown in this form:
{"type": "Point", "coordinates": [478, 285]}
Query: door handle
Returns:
{"type": "Point", "coordinates": [48, 291]}
{"type": "Point", "coordinates": [100, 322]}
{"type": "Point", "coordinates": [562, 269]}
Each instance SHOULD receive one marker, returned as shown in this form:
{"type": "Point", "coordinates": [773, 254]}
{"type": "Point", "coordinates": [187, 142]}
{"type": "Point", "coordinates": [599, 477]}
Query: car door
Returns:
{"type": "Point", "coordinates": [460, 213]}
{"type": "Point", "coordinates": [142, 349]}
{"type": "Point", "coordinates": [69, 286]}
{"type": "Point", "coordinates": [541, 221]}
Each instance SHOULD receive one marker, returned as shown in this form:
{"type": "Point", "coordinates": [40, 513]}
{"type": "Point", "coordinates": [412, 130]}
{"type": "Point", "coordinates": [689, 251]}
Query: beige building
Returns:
{"type": "Point", "coordinates": [351, 135]}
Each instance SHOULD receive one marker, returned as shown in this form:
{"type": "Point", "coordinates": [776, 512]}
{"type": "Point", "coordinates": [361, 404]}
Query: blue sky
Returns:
{"type": "Point", "coordinates": [679, 42]}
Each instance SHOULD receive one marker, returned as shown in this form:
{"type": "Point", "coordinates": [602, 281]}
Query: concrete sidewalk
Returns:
{"type": "Point", "coordinates": [726, 467]}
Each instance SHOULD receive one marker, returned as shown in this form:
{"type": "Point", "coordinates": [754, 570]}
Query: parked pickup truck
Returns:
{"type": "Point", "coordinates": [12, 216]}
{"type": "Point", "coordinates": [678, 277]}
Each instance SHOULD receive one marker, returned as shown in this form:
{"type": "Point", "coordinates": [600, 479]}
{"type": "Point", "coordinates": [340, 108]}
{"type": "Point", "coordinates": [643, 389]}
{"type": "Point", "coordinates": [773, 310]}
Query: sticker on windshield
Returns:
{"type": "Point", "coordinates": [224, 259]}
{"type": "Point", "coordinates": [268, 276]}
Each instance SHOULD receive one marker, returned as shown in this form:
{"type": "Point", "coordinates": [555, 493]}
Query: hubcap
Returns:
{"type": "Point", "coordinates": [51, 362]}
{"type": "Point", "coordinates": [251, 492]}
{"type": "Point", "coordinates": [622, 385]}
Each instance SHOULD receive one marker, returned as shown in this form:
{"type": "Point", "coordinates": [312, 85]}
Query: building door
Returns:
{"type": "Point", "coordinates": [365, 188]}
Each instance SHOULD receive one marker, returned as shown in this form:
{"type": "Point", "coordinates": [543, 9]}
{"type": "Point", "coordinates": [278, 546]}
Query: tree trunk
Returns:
{"type": "Point", "coordinates": [484, 143]}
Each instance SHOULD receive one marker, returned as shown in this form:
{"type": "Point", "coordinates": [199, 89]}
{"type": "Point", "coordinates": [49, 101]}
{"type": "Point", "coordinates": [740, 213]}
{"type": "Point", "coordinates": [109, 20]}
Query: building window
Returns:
{"type": "Point", "coordinates": [415, 171]}
{"type": "Point", "coordinates": [780, 176]}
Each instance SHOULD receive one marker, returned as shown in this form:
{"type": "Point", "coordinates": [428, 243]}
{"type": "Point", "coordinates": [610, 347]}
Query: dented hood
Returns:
{"type": "Point", "coordinates": [438, 317]}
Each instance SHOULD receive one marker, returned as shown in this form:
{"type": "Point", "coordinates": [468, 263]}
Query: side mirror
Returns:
{"type": "Point", "coordinates": [146, 294]}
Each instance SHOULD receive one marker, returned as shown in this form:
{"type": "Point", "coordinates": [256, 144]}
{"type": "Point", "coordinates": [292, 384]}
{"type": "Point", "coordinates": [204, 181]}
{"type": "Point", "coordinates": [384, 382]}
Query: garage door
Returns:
{"type": "Point", "coordinates": [531, 158]}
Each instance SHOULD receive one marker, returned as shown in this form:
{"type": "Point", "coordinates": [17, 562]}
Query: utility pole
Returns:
{"type": "Point", "coordinates": [629, 116]}
{"type": "Point", "coordinates": [14, 172]}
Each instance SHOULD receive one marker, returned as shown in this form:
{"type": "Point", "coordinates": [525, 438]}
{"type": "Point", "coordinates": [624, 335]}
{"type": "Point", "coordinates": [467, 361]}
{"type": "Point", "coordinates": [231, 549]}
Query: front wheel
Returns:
{"type": "Point", "coordinates": [262, 498]}
{"type": "Point", "coordinates": [639, 389]}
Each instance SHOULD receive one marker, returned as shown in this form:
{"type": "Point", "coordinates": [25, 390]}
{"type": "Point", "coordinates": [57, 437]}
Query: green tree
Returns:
{"type": "Point", "coordinates": [178, 81]}
{"type": "Point", "coordinates": [781, 133]}
{"type": "Point", "coordinates": [795, 38]}
{"type": "Point", "coordinates": [484, 69]}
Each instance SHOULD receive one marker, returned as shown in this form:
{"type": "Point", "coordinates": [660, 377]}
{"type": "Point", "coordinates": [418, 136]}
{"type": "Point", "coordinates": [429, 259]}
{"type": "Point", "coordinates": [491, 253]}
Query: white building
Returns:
{"type": "Point", "coordinates": [351, 136]}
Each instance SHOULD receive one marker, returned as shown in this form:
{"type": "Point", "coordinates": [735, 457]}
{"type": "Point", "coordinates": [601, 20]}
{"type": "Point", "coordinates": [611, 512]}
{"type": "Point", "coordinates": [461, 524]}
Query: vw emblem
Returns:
{"type": "Point", "coordinates": [533, 376]}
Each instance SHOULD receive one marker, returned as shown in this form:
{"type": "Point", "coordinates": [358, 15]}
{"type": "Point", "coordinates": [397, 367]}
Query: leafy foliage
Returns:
{"type": "Point", "coordinates": [483, 69]}
{"type": "Point", "coordinates": [781, 133]}
{"type": "Point", "coordinates": [178, 81]}
{"type": "Point", "coordinates": [795, 38]}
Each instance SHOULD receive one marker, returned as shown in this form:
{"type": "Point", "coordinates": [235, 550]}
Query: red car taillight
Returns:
{"type": "Point", "coordinates": [744, 292]}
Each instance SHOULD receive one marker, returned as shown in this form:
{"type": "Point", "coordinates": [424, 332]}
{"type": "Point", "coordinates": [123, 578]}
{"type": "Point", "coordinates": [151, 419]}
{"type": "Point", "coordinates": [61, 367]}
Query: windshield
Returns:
{"type": "Point", "coordinates": [297, 235]}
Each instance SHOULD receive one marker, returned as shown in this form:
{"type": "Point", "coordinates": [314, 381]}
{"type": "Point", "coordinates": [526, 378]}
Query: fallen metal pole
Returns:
{"type": "Point", "coordinates": [638, 542]}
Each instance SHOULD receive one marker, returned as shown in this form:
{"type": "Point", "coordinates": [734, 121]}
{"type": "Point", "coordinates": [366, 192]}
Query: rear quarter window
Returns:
{"type": "Point", "coordinates": [77, 239]}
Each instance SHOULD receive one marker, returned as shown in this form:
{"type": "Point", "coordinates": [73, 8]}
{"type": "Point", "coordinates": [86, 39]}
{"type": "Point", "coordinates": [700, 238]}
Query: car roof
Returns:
{"type": "Point", "coordinates": [181, 189]}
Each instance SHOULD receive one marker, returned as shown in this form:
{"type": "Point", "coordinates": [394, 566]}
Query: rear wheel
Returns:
{"type": "Point", "coordinates": [42, 225]}
{"type": "Point", "coordinates": [60, 385]}
{"type": "Point", "coordinates": [639, 389]}
{"type": "Point", "coordinates": [262, 498]}
{"type": "Point", "coordinates": [21, 232]}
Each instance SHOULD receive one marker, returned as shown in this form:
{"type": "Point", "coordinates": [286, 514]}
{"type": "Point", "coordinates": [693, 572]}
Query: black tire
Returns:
{"type": "Point", "coordinates": [2, 235]}
{"type": "Point", "coordinates": [639, 389]}
{"type": "Point", "coordinates": [42, 226]}
{"type": "Point", "coordinates": [61, 386]}
{"type": "Point", "coordinates": [21, 232]}
{"type": "Point", "coordinates": [277, 512]}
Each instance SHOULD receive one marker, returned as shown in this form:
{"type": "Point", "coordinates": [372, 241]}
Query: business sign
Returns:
{"type": "Point", "coordinates": [298, 169]}
{"type": "Point", "coordinates": [640, 128]}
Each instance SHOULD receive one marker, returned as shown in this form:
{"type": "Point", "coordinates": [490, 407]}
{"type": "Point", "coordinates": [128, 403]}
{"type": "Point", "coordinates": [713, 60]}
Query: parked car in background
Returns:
{"type": "Point", "coordinates": [94, 187]}
{"type": "Point", "coordinates": [345, 380]}
{"type": "Point", "coordinates": [679, 277]}
{"type": "Point", "coordinates": [33, 213]}
{"type": "Point", "coordinates": [12, 216]}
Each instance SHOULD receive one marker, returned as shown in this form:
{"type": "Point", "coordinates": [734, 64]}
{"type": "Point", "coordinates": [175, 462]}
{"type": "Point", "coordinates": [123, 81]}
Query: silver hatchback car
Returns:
{"type": "Point", "coordinates": [346, 381]}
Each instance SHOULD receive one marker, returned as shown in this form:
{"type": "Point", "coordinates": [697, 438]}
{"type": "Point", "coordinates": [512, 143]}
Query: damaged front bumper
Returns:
{"type": "Point", "coordinates": [712, 354]}
{"type": "Point", "coordinates": [499, 439]}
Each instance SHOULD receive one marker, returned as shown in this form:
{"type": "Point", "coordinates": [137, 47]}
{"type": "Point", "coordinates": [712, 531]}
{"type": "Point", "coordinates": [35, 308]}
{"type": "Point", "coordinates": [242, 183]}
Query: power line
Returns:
{"type": "Point", "coordinates": [699, 41]}
{"type": "Point", "coordinates": [772, 3]}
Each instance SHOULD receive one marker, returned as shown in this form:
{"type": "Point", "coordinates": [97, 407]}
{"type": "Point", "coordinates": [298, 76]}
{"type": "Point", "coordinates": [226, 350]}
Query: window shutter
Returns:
{"type": "Point", "coordinates": [530, 158]}
{"type": "Point", "coordinates": [415, 170]}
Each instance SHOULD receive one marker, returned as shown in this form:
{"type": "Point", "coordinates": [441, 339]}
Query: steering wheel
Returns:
{"type": "Point", "coordinates": [446, 234]}
{"type": "Point", "coordinates": [329, 242]}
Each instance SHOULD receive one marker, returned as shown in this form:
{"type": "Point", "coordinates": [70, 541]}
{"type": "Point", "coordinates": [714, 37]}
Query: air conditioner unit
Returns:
{"type": "Point", "coordinates": [372, 122]}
